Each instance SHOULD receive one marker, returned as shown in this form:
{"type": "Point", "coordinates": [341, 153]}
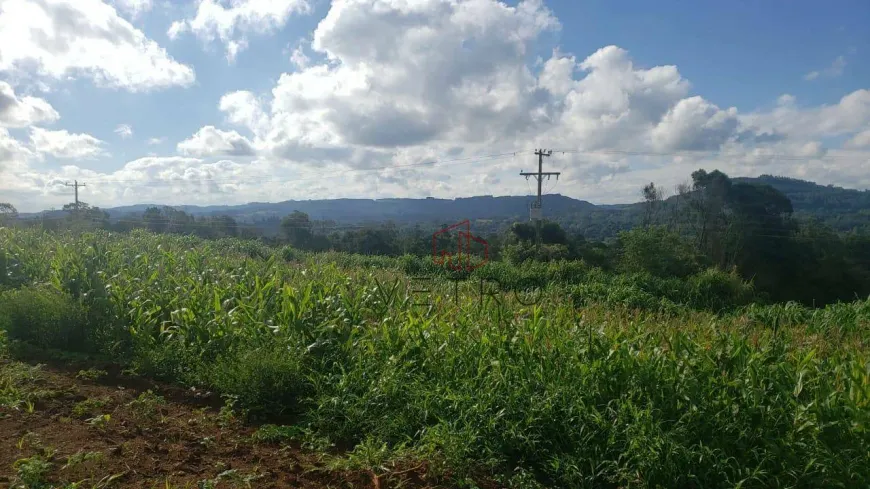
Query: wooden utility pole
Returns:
{"type": "Point", "coordinates": [76, 185]}
{"type": "Point", "coordinates": [536, 211]}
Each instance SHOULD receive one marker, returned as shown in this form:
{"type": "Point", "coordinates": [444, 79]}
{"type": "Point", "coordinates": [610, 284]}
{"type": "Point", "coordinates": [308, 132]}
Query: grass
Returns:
{"type": "Point", "coordinates": [603, 381]}
{"type": "Point", "coordinates": [89, 406]}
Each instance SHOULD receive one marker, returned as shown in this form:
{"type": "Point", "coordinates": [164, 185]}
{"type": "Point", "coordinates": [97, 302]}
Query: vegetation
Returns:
{"type": "Point", "coordinates": [740, 226]}
{"type": "Point", "coordinates": [530, 374]}
{"type": "Point", "coordinates": [719, 341]}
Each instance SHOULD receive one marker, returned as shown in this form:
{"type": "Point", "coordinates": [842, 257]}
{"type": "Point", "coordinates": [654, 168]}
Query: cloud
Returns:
{"type": "Point", "coordinates": [860, 140]}
{"type": "Point", "coordinates": [210, 141]}
{"type": "Point", "coordinates": [18, 111]}
{"type": "Point", "coordinates": [244, 109]}
{"type": "Point", "coordinates": [299, 59]}
{"type": "Point", "coordinates": [13, 155]}
{"type": "Point", "coordinates": [134, 8]}
{"type": "Point", "coordinates": [155, 141]}
{"type": "Point", "coordinates": [124, 131]}
{"type": "Point", "coordinates": [400, 74]}
{"type": "Point", "coordinates": [695, 124]}
{"type": "Point", "coordinates": [849, 115]}
{"type": "Point", "coordinates": [233, 23]}
{"type": "Point", "coordinates": [407, 82]}
{"type": "Point", "coordinates": [833, 71]}
{"type": "Point", "coordinates": [408, 99]}
{"type": "Point", "coordinates": [63, 144]}
{"type": "Point", "coordinates": [84, 38]}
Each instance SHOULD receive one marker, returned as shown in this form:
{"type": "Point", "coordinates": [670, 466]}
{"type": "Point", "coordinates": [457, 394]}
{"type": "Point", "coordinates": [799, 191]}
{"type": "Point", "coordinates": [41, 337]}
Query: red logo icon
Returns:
{"type": "Point", "coordinates": [464, 258]}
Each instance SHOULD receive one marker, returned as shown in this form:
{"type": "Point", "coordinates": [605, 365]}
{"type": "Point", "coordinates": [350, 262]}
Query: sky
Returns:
{"type": "Point", "coordinates": [234, 101]}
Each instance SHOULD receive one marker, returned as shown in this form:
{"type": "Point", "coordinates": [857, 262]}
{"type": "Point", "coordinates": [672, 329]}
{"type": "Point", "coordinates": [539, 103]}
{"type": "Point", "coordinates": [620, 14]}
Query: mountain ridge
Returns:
{"type": "Point", "coordinates": [841, 208]}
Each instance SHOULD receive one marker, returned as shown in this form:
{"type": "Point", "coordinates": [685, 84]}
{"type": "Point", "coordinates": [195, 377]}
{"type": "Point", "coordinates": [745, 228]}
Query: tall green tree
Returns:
{"type": "Point", "coordinates": [652, 199]}
{"type": "Point", "coordinates": [657, 251]}
{"type": "Point", "coordinates": [296, 228]}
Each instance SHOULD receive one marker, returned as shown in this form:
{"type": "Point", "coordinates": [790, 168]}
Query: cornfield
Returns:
{"type": "Point", "coordinates": [601, 381]}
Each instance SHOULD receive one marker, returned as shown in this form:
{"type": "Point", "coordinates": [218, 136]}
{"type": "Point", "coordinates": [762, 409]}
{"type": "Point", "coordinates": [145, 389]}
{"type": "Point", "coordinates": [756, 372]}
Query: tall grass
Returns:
{"type": "Point", "coordinates": [602, 381]}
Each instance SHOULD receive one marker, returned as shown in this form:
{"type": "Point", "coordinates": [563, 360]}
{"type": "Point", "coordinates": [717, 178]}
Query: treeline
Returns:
{"type": "Point", "coordinates": [713, 222]}
{"type": "Point", "coordinates": [749, 228]}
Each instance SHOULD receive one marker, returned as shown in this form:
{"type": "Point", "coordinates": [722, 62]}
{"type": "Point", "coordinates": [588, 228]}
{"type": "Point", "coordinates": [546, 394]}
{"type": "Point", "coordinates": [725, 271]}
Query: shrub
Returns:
{"type": "Point", "coordinates": [657, 251]}
{"type": "Point", "coordinates": [290, 254]}
{"type": "Point", "coordinates": [266, 380]}
{"type": "Point", "coordinates": [44, 317]}
{"type": "Point", "coordinates": [715, 290]}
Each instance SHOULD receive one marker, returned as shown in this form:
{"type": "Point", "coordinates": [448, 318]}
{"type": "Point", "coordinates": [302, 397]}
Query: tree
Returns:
{"type": "Point", "coordinates": [296, 228]}
{"type": "Point", "coordinates": [652, 197]}
{"type": "Point", "coordinates": [708, 201]}
{"type": "Point", "coordinates": [8, 213]}
{"type": "Point", "coordinates": [76, 207]}
{"type": "Point", "coordinates": [657, 251]}
{"type": "Point", "coordinates": [523, 232]}
{"type": "Point", "coordinates": [370, 241]}
{"type": "Point", "coordinates": [217, 227]}
{"type": "Point", "coordinates": [552, 233]}
{"type": "Point", "coordinates": [759, 241]}
{"type": "Point", "coordinates": [81, 214]}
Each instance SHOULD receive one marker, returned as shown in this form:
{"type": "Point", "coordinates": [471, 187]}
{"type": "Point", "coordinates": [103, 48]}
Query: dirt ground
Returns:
{"type": "Point", "coordinates": [64, 427]}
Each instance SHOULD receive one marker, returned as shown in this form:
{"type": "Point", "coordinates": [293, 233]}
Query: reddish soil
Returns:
{"type": "Point", "coordinates": [182, 441]}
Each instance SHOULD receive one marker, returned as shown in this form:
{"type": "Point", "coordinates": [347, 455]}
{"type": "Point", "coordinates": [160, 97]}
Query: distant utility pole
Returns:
{"type": "Point", "coordinates": [536, 211]}
{"type": "Point", "coordinates": [76, 185]}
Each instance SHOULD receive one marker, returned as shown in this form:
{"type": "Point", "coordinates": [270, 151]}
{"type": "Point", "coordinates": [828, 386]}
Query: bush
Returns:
{"type": "Point", "coordinates": [266, 380]}
{"type": "Point", "coordinates": [44, 317]}
{"type": "Point", "coordinates": [290, 254]}
{"type": "Point", "coordinates": [715, 290]}
{"type": "Point", "coordinates": [656, 251]}
{"type": "Point", "coordinates": [521, 253]}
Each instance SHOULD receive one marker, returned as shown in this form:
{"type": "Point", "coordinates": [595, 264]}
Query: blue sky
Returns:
{"type": "Point", "coordinates": [148, 101]}
{"type": "Point", "coordinates": [741, 53]}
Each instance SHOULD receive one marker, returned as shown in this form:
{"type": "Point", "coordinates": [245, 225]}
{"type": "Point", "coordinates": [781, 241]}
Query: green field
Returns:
{"type": "Point", "coordinates": [592, 380]}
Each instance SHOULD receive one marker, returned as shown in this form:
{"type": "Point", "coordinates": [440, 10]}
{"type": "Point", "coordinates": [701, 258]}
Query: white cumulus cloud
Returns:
{"type": "Point", "coordinates": [232, 22]}
{"type": "Point", "coordinates": [24, 111]}
{"type": "Point", "coordinates": [210, 141]}
{"type": "Point", "coordinates": [64, 38]}
{"type": "Point", "coordinates": [63, 144]}
{"type": "Point", "coordinates": [398, 98]}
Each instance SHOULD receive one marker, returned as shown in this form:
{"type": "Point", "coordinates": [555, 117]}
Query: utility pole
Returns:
{"type": "Point", "coordinates": [536, 211]}
{"type": "Point", "coordinates": [76, 185]}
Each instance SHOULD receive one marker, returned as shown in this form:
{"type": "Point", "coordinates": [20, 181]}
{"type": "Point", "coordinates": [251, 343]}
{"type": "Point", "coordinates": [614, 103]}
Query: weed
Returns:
{"type": "Point", "coordinates": [274, 433]}
{"type": "Point", "coordinates": [31, 473]}
{"type": "Point", "coordinates": [89, 406]}
{"type": "Point", "coordinates": [229, 412]}
{"type": "Point", "coordinates": [100, 422]}
{"type": "Point", "coordinates": [81, 457]}
{"type": "Point", "coordinates": [147, 405]}
{"type": "Point", "coordinates": [29, 439]}
{"type": "Point", "coordinates": [91, 374]}
{"type": "Point", "coordinates": [18, 383]}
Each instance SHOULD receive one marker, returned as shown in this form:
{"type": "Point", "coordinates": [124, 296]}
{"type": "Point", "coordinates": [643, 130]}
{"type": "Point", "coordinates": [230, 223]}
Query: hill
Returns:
{"type": "Point", "coordinates": [842, 209]}
{"type": "Point", "coordinates": [397, 210]}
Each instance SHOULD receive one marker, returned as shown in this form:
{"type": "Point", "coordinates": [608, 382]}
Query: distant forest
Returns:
{"type": "Point", "coordinates": [794, 240]}
{"type": "Point", "coordinates": [842, 210]}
